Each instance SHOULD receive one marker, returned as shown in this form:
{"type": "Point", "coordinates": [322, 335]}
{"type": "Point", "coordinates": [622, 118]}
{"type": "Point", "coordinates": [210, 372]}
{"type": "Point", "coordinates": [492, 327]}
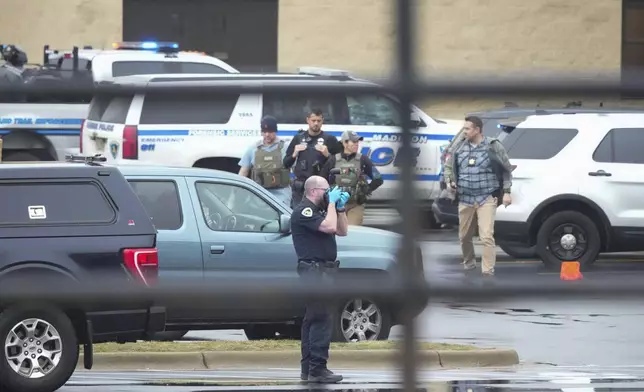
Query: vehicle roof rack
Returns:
{"type": "Point", "coordinates": [89, 160]}
{"type": "Point", "coordinates": [327, 72]}
{"type": "Point", "coordinates": [73, 55]}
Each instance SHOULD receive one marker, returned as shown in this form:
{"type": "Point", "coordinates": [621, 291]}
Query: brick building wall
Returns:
{"type": "Point", "coordinates": [359, 35]}
{"type": "Point", "coordinates": [60, 23]}
{"type": "Point", "coordinates": [455, 36]}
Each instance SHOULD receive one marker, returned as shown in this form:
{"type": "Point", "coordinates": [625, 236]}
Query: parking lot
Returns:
{"type": "Point", "coordinates": [591, 330]}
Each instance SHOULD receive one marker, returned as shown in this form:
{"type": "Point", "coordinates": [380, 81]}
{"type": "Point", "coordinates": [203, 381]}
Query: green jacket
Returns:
{"type": "Point", "coordinates": [498, 157]}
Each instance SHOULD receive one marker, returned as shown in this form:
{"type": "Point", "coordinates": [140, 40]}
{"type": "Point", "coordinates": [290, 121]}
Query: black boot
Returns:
{"type": "Point", "coordinates": [325, 377]}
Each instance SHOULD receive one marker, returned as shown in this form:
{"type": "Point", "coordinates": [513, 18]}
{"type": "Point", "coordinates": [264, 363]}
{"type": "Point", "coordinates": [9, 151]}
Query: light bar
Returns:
{"type": "Point", "coordinates": [145, 45]}
{"type": "Point", "coordinates": [319, 71]}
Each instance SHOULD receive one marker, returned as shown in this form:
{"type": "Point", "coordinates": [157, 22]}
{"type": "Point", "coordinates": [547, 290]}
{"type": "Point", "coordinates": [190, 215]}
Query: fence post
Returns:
{"type": "Point", "coordinates": [405, 79]}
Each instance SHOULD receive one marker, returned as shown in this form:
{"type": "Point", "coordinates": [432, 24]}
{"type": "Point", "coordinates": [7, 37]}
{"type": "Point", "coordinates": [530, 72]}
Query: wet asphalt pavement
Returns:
{"type": "Point", "coordinates": [534, 378]}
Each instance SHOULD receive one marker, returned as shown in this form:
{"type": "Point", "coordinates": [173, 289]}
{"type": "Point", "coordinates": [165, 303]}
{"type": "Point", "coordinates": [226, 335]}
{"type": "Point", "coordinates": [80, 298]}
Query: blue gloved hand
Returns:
{"type": "Point", "coordinates": [334, 195]}
{"type": "Point", "coordinates": [344, 198]}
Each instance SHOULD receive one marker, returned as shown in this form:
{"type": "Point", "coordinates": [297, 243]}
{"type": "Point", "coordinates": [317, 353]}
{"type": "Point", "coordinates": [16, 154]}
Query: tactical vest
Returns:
{"type": "Point", "coordinates": [268, 170]}
{"type": "Point", "coordinates": [350, 177]}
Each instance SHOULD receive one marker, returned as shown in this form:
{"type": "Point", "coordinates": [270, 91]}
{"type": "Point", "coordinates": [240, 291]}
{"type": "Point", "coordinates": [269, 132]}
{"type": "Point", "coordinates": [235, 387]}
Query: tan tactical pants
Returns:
{"type": "Point", "coordinates": [468, 217]}
{"type": "Point", "coordinates": [355, 214]}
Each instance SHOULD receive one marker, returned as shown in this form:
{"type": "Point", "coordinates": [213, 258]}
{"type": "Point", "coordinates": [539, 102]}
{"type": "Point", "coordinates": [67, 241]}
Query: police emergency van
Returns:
{"type": "Point", "coordinates": [45, 128]}
{"type": "Point", "coordinates": [213, 130]}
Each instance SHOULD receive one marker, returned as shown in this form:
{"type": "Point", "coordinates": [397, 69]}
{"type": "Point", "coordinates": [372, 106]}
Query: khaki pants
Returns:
{"type": "Point", "coordinates": [468, 218]}
{"type": "Point", "coordinates": [355, 214]}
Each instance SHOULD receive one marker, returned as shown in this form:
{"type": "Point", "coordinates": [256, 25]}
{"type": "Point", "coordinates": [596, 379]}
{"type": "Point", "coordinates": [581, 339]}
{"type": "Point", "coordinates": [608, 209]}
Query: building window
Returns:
{"type": "Point", "coordinates": [632, 40]}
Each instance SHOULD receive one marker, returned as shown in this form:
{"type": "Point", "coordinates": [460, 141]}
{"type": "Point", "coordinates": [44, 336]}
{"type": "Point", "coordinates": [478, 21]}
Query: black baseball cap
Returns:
{"type": "Point", "coordinates": [269, 124]}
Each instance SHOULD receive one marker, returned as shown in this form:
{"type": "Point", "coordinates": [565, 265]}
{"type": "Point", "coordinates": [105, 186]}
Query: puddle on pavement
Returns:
{"type": "Point", "coordinates": [516, 312]}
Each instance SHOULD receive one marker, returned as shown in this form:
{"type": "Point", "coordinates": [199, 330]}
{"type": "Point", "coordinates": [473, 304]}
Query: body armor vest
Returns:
{"type": "Point", "coordinates": [268, 170]}
{"type": "Point", "coordinates": [350, 178]}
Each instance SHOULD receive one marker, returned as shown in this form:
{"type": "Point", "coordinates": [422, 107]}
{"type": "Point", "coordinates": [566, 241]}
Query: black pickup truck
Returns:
{"type": "Point", "coordinates": [68, 225]}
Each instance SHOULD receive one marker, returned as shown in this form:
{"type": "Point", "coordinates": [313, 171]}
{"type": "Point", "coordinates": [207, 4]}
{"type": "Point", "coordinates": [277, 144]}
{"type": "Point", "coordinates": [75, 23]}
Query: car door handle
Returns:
{"type": "Point", "coordinates": [599, 173]}
{"type": "Point", "coordinates": [217, 249]}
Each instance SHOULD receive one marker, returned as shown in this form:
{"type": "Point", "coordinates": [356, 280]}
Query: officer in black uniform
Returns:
{"type": "Point", "coordinates": [315, 222]}
{"type": "Point", "coordinates": [309, 150]}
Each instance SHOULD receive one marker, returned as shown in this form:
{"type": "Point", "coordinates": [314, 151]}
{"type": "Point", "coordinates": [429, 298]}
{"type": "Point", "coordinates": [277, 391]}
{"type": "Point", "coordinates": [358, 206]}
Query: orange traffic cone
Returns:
{"type": "Point", "coordinates": [570, 270]}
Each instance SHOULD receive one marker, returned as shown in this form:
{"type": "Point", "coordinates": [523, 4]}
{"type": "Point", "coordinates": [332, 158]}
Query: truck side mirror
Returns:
{"type": "Point", "coordinates": [285, 224]}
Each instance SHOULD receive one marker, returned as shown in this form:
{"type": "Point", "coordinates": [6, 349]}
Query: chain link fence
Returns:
{"type": "Point", "coordinates": [408, 290]}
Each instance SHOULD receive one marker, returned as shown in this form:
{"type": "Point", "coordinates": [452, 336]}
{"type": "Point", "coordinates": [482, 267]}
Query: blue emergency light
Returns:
{"type": "Point", "coordinates": [146, 45]}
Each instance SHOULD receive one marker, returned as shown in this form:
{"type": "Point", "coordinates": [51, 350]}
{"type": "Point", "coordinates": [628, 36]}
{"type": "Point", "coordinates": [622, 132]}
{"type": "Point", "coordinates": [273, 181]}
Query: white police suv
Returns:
{"type": "Point", "coordinates": [576, 186]}
{"type": "Point", "coordinates": [214, 130]}
{"type": "Point", "coordinates": [137, 58]}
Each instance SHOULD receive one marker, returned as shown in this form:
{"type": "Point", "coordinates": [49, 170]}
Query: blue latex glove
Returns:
{"type": "Point", "coordinates": [344, 198]}
{"type": "Point", "coordinates": [334, 195]}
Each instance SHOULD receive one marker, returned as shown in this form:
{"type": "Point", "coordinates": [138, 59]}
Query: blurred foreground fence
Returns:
{"type": "Point", "coordinates": [410, 290]}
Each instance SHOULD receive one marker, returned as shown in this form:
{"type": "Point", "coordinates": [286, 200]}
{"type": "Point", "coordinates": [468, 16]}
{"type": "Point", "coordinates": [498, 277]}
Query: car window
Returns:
{"type": "Point", "coordinates": [161, 201]}
{"type": "Point", "coordinates": [234, 208]}
{"type": "Point", "coordinates": [293, 108]}
{"type": "Point", "coordinates": [373, 109]}
{"type": "Point", "coordinates": [54, 203]}
{"type": "Point", "coordinates": [127, 68]}
{"type": "Point", "coordinates": [621, 145]}
{"type": "Point", "coordinates": [537, 143]}
{"type": "Point", "coordinates": [112, 109]}
{"type": "Point", "coordinates": [188, 108]}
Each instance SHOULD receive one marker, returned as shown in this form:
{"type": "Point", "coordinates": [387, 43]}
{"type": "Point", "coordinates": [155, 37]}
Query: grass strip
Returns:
{"type": "Point", "coordinates": [263, 345]}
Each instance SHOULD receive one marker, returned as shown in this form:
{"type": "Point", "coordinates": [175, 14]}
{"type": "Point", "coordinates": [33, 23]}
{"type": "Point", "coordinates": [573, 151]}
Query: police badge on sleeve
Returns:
{"type": "Point", "coordinates": [307, 212]}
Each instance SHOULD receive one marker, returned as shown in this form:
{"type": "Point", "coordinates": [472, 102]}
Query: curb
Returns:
{"type": "Point", "coordinates": [360, 359]}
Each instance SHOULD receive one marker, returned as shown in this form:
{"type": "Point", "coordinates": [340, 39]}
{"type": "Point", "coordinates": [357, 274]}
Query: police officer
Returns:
{"type": "Point", "coordinates": [307, 153]}
{"type": "Point", "coordinates": [353, 170]}
{"type": "Point", "coordinates": [262, 162]}
{"type": "Point", "coordinates": [315, 222]}
{"type": "Point", "coordinates": [11, 71]}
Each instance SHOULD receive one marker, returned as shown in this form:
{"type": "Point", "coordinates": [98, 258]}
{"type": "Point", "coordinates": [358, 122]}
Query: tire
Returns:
{"type": "Point", "coordinates": [169, 336]}
{"type": "Point", "coordinates": [584, 229]}
{"type": "Point", "coordinates": [518, 251]}
{"type": "Point", "coordinates": [14, 319]}
{"type": "Point", "coordinates": [260, 332]}
{"type": "Point", "coordinates": [382, 316]}
{"type": "Point", "coordinates": [19, 157]}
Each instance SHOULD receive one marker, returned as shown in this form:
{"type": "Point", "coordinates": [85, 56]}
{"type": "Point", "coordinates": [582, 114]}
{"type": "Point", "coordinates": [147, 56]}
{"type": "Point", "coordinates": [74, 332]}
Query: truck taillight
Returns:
{"type": "Point", "coordinates": [130, 142]}
{"type": "Point", "coordinates": [81, 136]}
{"type": "Point", "coordinates": [143, 264]}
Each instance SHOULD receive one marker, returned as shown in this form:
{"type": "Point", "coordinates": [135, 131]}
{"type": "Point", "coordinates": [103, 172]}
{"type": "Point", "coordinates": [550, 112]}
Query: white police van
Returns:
{"type": "Point", "coordinates": [214, 130]}
{"type": "Point", "coordinates": [136, 58]}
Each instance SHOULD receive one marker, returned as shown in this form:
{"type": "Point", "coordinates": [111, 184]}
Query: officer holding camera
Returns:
{"type": "Point", "coordinates": [315, 222]}
{"type": "Point", "coordinates": [350, 170]}
{"type": "Point", "coordinates": [307, 153]}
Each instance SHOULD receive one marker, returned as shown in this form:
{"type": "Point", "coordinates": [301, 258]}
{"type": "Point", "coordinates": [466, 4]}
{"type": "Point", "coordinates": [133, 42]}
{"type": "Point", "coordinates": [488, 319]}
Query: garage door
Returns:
{"type": "Point", "coordinates": [241, 32]}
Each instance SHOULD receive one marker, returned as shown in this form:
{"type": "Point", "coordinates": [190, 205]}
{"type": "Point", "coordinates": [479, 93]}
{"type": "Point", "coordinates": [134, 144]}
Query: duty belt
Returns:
{"type": "Point", "coordinates": [320, 265]}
